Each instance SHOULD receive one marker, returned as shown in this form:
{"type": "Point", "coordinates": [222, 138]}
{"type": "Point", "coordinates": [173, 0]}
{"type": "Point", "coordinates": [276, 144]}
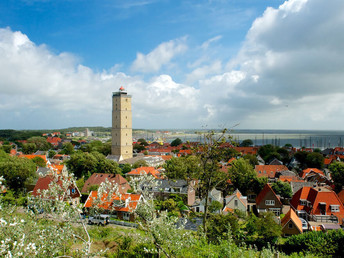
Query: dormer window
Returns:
{"type": "Point", "coordinates": [303, 202]}
{"type": "Point", "coordinates": [270, 202]}
{"type": "Point", "coordinates": [334, 208]}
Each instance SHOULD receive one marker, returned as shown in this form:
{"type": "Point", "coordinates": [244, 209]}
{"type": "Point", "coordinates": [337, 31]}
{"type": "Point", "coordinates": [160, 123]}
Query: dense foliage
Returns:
{"type": "Point", "coordinates": [84, 164]}
{"type": "Point", "coordinates": [16, 171]}
{"type": "Point", "coordinates": [317, 242]}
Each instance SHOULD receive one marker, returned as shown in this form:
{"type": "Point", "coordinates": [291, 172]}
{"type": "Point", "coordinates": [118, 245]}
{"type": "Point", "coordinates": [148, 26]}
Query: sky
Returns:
{"type": "Point", "coordinates": [256, 64]}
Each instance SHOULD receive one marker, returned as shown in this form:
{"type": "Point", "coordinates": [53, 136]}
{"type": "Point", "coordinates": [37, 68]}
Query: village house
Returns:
{"type": "Point", "coordinates": [145, 171]}
{"type": "Point", "coordinates": [319, 204]}
{"type": "Point", "coordinates": [214, 195]}
{"type": "Point", "coordinates": [120, 206]}
{"type": "Point", "coordinates": [235, 201]}
{"type": "Point", "coordinates": [69, 193]}
{"type": "Point", "coordinates": [267, 200]}
{"type": "Point", "coordinates": [96, 179]}
{"type": "Point", "coordinates": [292, 224]}
{"type": "Point", "coordinates": [269, 171]}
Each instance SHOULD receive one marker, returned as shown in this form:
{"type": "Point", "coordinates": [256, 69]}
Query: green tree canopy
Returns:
{"type": "Point", "coordinates": [39, 161]}
{"type": "Point", "coordinates": [315, 160]}
{"type": "Point", "coordinates": [246, 143]}
{"type": "Point", "coordinates": [29, 148]}
{"type": "Point", "coordinates": [244, 177]}
{"type": "Point", "coordinates": [186, 168]}
{"type": "Point", "coordinates": [84, 164]}
{"type": "Point", "coordinates": [176, 142]}
{"type": "Point", "coordinates": [252, 159]}
{"type": "Point", "coordinates": [337, 174]}
{"type": "Point", "coordinates": [67, 148]}
{"type": "Point", "coordinates": [142, 142]}
{"type": "Point", "coordinates": [41, 143]}
{"type": "Point", "coordinates": [140, 163]}
{"type": "Point", "coordinates": [266, 151]}
{"type": "Point", "coordinates": [16, 171]}
{"type": "Point", "coordinates": [283, 189]}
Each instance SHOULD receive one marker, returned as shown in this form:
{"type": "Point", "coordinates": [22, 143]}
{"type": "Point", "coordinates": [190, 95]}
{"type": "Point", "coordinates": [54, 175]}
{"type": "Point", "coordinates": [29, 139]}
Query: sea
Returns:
{"type": "Point", "coordinates": [297, 138]}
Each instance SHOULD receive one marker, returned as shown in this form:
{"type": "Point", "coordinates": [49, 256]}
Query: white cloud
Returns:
{"type": "Point", "coordinates": [291, 54]}
{"type": "Point", "coordinates": [161, 55]}
{"type": "Point", "coordinates": [288, 74]}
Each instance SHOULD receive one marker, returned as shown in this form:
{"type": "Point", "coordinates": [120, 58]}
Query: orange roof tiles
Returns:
{"type": "Point", "coordinates": [305, 172]}
{"type": "Point", "coordinates": [98, 178]}
{"type": "Point", "coordinates": [247, 150]}
{"type": "Point", "coordinates": [143, 171]}
{"type": "Point", "coordinates": [124, 202]}
{"type": "Point", "coordinates": [33, 156]}
{"type": "Point", "coordinates": [269, 170]}
{"type": "Point", "coordinates": [316, 196]}
{"type": "Point", "coordinates": [267, 188]}
{"type": "Point", "coordinates": [291, 215]}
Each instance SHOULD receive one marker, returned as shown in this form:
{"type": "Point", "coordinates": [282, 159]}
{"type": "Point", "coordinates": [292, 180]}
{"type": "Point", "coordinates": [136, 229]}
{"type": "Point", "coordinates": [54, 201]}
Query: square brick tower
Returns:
{"type": "Point", "coordinates": [122, 132]}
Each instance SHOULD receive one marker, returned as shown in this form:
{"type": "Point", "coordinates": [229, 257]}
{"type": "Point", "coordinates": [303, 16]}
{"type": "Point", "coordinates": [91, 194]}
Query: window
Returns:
{"type": "Point", "coordinates": [270, 202]}
{"type": "Point", "coordinates": [235, 203]}
{"type": "Point", "coordinates": [277, 211]}
{"type": "Point", "coordinates": [303, 202]}
{"type": "Point", "coordinates": [334, 208]}
{"type": "Point", "coordinates": [73, 190]}
{"type": "Point", "coordinates": [290, 225]}
{"type": "Point", "coordinates": [126, 216]}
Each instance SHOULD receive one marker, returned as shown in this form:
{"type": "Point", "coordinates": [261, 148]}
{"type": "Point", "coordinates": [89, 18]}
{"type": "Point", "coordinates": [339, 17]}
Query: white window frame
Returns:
{"type": "Point", "coordinates": [303, 202]}
{"type": "Point", "coordinates": [334, 208]}
{"type": "Point", "coordinates": [277, 211]}
{"type": "Point", "coordinates": [269, 202]}
{"type": "Point", "coordinates": [126, 216]}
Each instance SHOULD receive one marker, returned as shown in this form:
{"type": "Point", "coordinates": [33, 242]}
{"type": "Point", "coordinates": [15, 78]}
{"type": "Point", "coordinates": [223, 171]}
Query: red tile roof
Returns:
{"type": "Point", "coordinates": [247, 150]}
{"type": "Point", "coordinates": [33, 156]}
{"type": "Point", "coordinates": [44, 182]}
{"type": "Point", "coordinates": [124, 202]}
{"type": "Point", "coordinates": [305, 172]}
{"type": "Point", "coordinates": [98, 178]}
{"type": "Point", "coordinates": [291, 215]}
{"type": "Point", "coordinates": [269, 170]}
{"type": "Point", "coordinates": [143, 171]}
{"type": "Point", "coordinates": [315, 196]}
{"type": "Point", "coordinates": [267, 188]}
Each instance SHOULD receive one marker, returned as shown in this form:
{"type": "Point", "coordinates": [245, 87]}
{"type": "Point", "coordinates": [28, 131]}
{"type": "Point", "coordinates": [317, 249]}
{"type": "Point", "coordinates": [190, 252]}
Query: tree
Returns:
{"type": "Point", "coordinates": [142, 142]}
{"type": "Point", "coordinates": [221, 226]}
{"type": "Point", "coordinates": [41, 143]}
{"type": "Point", "coordinates": [283, 189]}
{"type": "Point", "coordinates": [210, 153]}
{"type": "Point", "coordinates": [39, 161]}
{"type": "Point", "coordinates": [337, 174]}
{"type": "Point", "coordinates": [266, 150]}
{"type": "Point", "coordinates": [68, 148]}
{"type": "Point", "coordinates": [16, 171]}
{"type": "Point", "coordinates": [83, 164]}
{"type": "Point", "coordinates": [140, 163]}
{"type": "Point", "coordinates": [215, 206]}
{"type": "Point", "coordinates": [125, 168]}
{"type": "Point", "coordinates": [243, 176]}
{"type": "Point", "coordinates": [51, 154]}
{"type": "Point", "coordinates": [186, 168]}
{"type": "Point", "coordinates": [252, 159]}
{"type": "Point", "coordinates": [246, 143]}
{"type": "Point", "coordinates": [176, 142]}
{"type": "Point", "coordinates": [301, 156]}
{"type": "Point", "coordinates": [6, 148]}
{"type": "Point", "coordinates": [262, 230]}
{"type": "Point", "coordinates": [29, 148]}
{"type": "Point", "coordinates": [138, 147]}
{"type": "Point", "coordinates": [315, 160]}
